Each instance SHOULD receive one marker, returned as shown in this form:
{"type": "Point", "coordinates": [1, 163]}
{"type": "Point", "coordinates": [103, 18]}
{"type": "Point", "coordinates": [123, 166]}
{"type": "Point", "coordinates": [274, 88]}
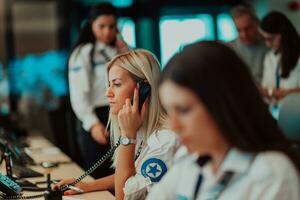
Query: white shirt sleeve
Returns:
{"type": "Point", "coordinates": [297, 69]}
{"type": "Point", "coordinates": [280, 183]}
{"type": "Point", "coordinates": [274, 189]}
{"type": "Point", "coordinates": [268, 79]}
{"type": "Point", "coordinates": [166, 188]}
{"type": "Point", "coordinates": [79, 83]}
{"type": "Point", "coordinates": [159, 156]}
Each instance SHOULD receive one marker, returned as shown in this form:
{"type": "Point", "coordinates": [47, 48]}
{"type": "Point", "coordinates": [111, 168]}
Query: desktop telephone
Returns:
{"type": "Point", "coordinates": [8, 186]}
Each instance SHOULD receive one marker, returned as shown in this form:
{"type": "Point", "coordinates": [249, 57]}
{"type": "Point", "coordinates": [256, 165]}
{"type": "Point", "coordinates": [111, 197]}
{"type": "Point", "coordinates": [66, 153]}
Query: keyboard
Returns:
{"type": "Point", "coordinates": [24, 172]}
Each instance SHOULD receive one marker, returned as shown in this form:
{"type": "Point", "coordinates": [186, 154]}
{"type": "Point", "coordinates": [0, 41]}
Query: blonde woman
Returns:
{"type": "Point", "coordinates": [147, 147]}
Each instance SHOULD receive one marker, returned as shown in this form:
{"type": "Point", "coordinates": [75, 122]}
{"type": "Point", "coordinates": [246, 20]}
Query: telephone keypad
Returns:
{"type": "Point", "coordinates": [10, 185]}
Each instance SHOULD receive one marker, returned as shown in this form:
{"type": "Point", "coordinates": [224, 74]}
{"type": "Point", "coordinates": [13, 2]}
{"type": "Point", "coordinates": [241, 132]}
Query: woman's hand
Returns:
{"type": "Point", "coordinates": [99, 133]}
{"type": "Point", "coordinates": [81, 185]}
{"type": "Point", "coordinates": [280, 93]}
{"type": "Point", "coordinates": [130, 119]}
{"type": "Point", "coordinates": [121, 46]}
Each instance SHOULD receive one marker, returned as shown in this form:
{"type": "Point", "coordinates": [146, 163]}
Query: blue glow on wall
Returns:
{"type": "Point", "coordinates": [42, 76]}
{"type": "Point", "coordinates": [226, 28]}
{"type": "Point", "coordinates": [122, 3]}
{"type": "Point", "coordinates": [178, 31]}
{"type": "Point", "coordinates": [117, 3]}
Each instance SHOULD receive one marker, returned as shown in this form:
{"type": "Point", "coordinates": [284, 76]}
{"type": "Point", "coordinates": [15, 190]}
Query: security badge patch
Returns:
{"type": "Point", "coordinates": [75, 68]}
{"type": "Point", "coordinates": [154, 168]}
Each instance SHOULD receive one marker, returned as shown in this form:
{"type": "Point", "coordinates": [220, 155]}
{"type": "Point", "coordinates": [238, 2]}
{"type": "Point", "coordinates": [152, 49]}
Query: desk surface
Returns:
{"type": "Point", "coordinates": [42, 150]}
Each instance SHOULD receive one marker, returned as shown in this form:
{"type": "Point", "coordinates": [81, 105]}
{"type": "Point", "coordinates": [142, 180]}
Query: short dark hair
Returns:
{"type": "Point", "coordinates": [243, 9]}
{"type": "Point", "coordinates": [277, 23]}
{"type": "Point", "coordinates": [217, 75]}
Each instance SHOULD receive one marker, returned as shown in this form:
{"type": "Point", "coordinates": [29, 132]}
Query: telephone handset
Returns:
{"type": "Point", "coordinates": [8, 186]}
{"type": "Point", "coordinates": [144, 92]}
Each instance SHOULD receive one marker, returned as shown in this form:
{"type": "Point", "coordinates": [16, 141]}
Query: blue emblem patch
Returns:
{"type": "Point", "coordinates": [75, 69]}
{"type": "Point", "coordinates": [154, 168]}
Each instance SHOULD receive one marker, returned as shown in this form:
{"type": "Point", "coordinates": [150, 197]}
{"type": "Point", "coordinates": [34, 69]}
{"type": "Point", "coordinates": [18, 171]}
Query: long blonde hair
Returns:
{"type": "Point", "coordinates": [142, 65]}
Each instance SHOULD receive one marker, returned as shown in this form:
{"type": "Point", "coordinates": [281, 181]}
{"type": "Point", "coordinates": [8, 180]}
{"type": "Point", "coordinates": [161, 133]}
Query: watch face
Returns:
{"type": "Point", "coordinates": [125, 141]}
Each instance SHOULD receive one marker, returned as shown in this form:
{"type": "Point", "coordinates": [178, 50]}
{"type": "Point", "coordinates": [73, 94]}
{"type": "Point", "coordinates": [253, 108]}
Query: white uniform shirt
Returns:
{"type": "Point", "coordinates": [88, 85]}
{"type": "Point", "coordinates": [153, 162]}
{"type": "Point", "coordinates": [269, 74]}
{"type": "Point", "coordinates": [267, 176]}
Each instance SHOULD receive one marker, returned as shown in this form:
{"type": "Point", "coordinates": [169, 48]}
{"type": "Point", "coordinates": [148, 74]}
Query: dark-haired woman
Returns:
{"type": "Point", "coordinates": [96, 45]}
{"type": "Point", "coordinates": [281, 75]}
{"type": "Point", "coordinates": [217, 111]}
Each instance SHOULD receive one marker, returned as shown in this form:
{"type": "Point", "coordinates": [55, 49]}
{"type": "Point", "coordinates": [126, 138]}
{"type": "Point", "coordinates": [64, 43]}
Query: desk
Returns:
{"type": "Point", "coordinates": [42, 150]}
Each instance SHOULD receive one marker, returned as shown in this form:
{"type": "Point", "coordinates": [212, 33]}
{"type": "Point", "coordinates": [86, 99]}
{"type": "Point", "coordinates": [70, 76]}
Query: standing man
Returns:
{"type": "Point", "coordinates": [249, 44]}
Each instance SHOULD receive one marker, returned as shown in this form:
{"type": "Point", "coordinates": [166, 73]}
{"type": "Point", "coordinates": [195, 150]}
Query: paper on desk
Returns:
{"type": "Point", "coordinates": [64, 198]}
{"type": "Point", "coordinates": [70, 198]}
{"type": "Point", "coordinates": [44, 151]}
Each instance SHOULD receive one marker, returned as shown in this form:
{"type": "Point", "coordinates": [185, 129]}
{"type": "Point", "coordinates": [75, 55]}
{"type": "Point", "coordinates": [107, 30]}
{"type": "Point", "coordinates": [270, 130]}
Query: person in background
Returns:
{"type": "Point", "coordinates": [147, 145]}
{"type": "Point", "coordinates": [96, 45]}
{"type": "Point", "coordinates": [249, 44]}
{"type": "Point", "coordinates": [219, 116]}
{"type": "Point", "coordinates": [281, 75]}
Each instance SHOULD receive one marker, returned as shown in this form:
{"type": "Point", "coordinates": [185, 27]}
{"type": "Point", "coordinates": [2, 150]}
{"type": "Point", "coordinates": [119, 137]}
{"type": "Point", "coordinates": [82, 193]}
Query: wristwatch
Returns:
{"type": "Point", "coordinates": [126, 141]}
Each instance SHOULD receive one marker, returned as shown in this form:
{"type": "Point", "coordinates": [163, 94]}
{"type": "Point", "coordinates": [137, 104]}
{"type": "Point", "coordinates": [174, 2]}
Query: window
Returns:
{"type": "Point", "coordinates": [176, 32]}
{"type": "Point", "coordinates": [226, 28]}
{"type": "Point", "coordinates": [127, 29]}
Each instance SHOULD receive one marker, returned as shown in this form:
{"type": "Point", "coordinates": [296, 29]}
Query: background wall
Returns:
{"type": "Point", "coordinates": [35, 27]}
{"type": "Point", "coordinates": [264, 6]}
{"type": "Point", "coordinates": [2, 34]}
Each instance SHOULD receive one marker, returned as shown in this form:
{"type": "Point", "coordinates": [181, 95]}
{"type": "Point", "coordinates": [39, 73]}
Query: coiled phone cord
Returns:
{"type": "Point", "coordinates": [94, 167]}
